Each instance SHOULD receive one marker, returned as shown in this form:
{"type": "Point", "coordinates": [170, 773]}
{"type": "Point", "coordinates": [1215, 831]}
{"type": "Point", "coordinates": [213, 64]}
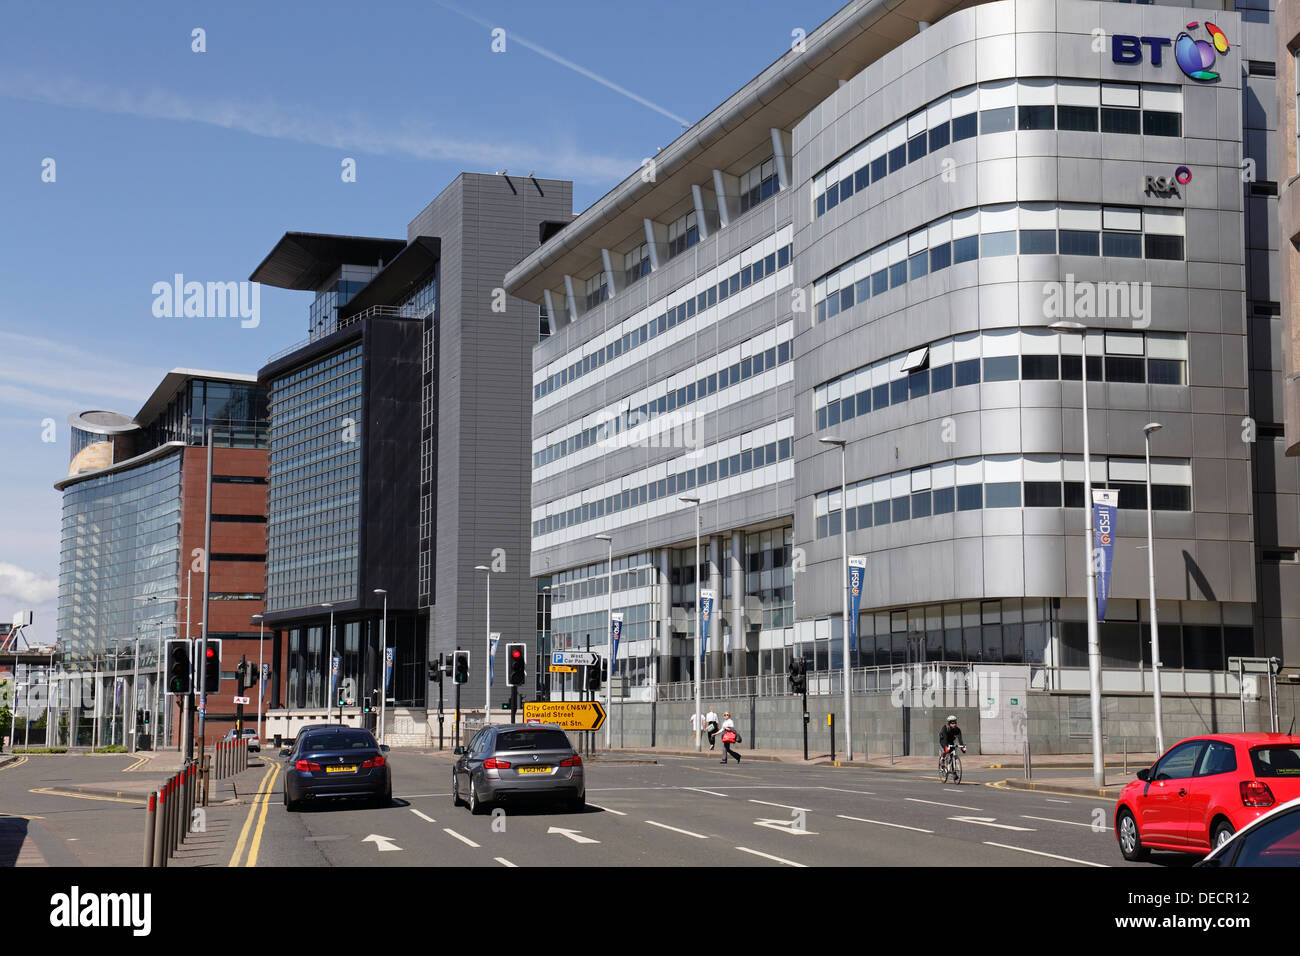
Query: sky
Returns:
{"type": "Point", "coordinates": [129, 155]}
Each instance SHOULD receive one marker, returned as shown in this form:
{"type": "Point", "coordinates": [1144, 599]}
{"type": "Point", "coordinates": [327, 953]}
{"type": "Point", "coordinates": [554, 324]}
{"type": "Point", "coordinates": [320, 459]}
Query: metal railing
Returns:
{"type": "Point", "coordinates": [383, 311]}
{"type": "Point", "coordinates": [895, 678]}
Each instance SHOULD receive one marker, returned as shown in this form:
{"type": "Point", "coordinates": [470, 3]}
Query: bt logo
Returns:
{"type": "Point", "coordinates": [1194, 57]}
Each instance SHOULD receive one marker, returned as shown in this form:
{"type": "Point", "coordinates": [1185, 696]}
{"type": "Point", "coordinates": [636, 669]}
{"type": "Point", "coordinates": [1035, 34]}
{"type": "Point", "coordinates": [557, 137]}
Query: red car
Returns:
{"type": "Point", "coordinates": [1205, 789]}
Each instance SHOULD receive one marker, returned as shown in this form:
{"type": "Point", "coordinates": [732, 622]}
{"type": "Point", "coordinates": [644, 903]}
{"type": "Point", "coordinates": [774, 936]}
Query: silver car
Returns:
{"type": "Point", "coordinates": [514, 763]}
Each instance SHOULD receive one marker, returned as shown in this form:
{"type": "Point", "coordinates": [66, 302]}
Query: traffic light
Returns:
{"type": "Point", "coordinates": [365, 705]}
{"type": "Point", "coordinates": [517, 669]}
{"type": "Point", "coordinates": [798, 680]}
{"type": "Point", "coordinates": [604, 671]}
{"type": "Point", "coordinates": [461, 672]}
{"type": "Point", "coordinates": [435, 670]}
{"type": "Point", "coordinates": [593, 676]}
{"type": "Point", "coordinates": [241, 676]}
{"type": "Point", "coordinates": [212, 667]}
{"type": "Point", "coordinates": [139, 718]}
{"type": "Point", "coordinates": [180, 668]}
{"type": "Point", "coordinates": [146, 718]}
{"type": "Point", "coordinates": [446, 664]}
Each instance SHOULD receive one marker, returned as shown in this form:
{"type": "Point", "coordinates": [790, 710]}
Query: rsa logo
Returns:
{"type": "Point", "coordinates": [1194, 57]}
{"type": "Point", "coordinates": [1167, 187]}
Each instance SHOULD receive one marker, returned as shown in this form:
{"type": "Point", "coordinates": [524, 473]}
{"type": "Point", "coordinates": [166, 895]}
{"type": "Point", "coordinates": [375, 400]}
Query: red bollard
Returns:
{"type": "Point", "coordinates": [159, 855]}
{"type": "Point", "coordinates": [149, 831]}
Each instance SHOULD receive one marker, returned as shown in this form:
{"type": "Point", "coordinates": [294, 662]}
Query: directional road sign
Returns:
{"type": "Point", "coordinates": [575, 657]}
{"type": "Point", "coordinates": [563, 669]}
{"type": "Point", "coordinates": [570, 715]}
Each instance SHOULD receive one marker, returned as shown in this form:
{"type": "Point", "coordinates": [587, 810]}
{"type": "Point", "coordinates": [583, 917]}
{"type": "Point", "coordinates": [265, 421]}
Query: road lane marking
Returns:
{"type": "Point", "coordinates": [1054, 856]}
{"type": "Point", "coordinates": [262, 791]}
{"type": "Point", "coordinates": [989, 822]}
{"type": "Point", "coordinates": [504, 862]}
{"type": "Point", "coordinates": [424, 816]}
{"type": "Point", "coordinates": [256, 844]}
{"type": "Point", "coordinates": [953, 790]}
{"type": "Point", "coordinates": [698, 836]}
{"type": "Point", "coordinates": [1071, 823]}
{"type": "Point", "coordinates": [865, 793]}
{"type": "Point", "coordinates": [574, 835]}
{"type": "Point", "coordinates": [712, 793]}
{"type": "Point", "coordinates": [50, 791]}
{"type": "Point", "coordinates": [412, 796]}
{"type": "Point", "coordinates": [998, 785]}
{"type": "Point", "coordinates": [785, 826]}
{"type": "Point", "coordinates": [140, 761]}
{"type": "Point", "coordinates": [783, 806]}
{"type": "Point", "coordinates": [768, 856]}
{"type": "Point", "coordinates": [936, 803]}
{"type": "Point", "coordinates": [728, 773]}
{"type": "Point", "coordinates": [608, 809]}
{"type": "Point", "coordinates": [1050, 800]}
{"type": "Point", "coordinates": [882, 823]}
{"type": "Point", "coordinates": [463, 839]}
{"type": "Point", "coordinates": [382, 843]}
{"type": "Point", "coordinates": [14, 763]}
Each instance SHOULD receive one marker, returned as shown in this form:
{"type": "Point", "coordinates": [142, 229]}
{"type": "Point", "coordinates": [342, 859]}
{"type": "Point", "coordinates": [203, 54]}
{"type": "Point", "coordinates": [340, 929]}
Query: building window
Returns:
{"type": "Point", "coordinates": [682, 234]}
{"type": "Point", "coordinates": [636, 264]}
{"type": "Point", "coordinates": [758, 184]}
{"type": "Point", "coordinates": [597, 291]}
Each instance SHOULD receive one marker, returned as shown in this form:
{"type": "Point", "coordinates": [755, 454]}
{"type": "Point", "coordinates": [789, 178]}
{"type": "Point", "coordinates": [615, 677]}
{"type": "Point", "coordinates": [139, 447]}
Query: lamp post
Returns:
{"type": "Point", "coordinates": [1147, 431]}
{"type": "Point", "coordinates": [844, 582]}
{"type": "Point", "coordinates": [383, 664]}
{"type": "Point", "coordinates": [487, 648]}
{"type": "Point", "coordinates": [135, 691]}
{"type": "Point", "coordinates": [546, 638]}
{"type": "Point", "coordinates": [329, 669]}
{"type": "Point", "coordinates": [261, 638]}
{"type": "Point", "coordinates": [112, 723]}
{"type": "Point", "coordinates": [1094, 640]}
{"type": "Point", "coordinates": [697, 662]}
{"type": "Point", "coordinates": [609, 632]}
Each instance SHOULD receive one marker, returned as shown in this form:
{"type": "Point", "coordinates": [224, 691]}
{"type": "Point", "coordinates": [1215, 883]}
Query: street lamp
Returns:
{"type": "Point", "coordinates": [545, 650]}
{"type": "Point", "coordinates": [1094, 640]}
{"type": "Point", "coordinates": [261, 638]}
{"type": "Point", "coordinates": [383, 664]}
{"type": "Point", "coordinates": [609, 631]}
{"type": "Point", "coordinates": [1147, 430]}
{"type": "Point", "coordinates": [844, 574]}
{"type": "Point", "coordinates": [699, 615]}
{"type": "Point", "coordinates": [487, 649]}
{"type": "Point", "coordinates": [329, 668]}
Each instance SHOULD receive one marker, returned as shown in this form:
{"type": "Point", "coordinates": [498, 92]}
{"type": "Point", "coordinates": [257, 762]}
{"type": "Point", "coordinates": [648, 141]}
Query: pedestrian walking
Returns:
{"type": "Point", "coordinates": [697, 722]}
{"type": "Point", "coordinates": [711, 727]}
{"type": "Point", "coordinates": [729, 737]}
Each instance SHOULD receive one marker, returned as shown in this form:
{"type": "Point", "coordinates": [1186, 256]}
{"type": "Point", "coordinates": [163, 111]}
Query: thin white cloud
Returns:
{"type": "Point", "coordinates": [52, 378]}
{"type": "Point", "coordinates": [412, 138]}
{"type": "Point", "coordinates": [25, 587]}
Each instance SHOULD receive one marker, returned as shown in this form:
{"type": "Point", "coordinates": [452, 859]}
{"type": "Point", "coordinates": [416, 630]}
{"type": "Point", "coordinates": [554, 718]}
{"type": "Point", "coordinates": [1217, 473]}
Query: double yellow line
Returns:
{"type": "Point", "coordinates": [265, 790]}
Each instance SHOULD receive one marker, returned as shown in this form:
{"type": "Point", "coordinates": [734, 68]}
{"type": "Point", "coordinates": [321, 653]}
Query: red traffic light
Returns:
{"type": "Point", "coordinates": [515, 653]}
{"type": "Point", "coordinates": [211, 653]}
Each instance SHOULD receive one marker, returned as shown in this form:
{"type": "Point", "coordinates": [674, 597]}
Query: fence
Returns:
{"type": "Point", "coordinates": [862, 680]}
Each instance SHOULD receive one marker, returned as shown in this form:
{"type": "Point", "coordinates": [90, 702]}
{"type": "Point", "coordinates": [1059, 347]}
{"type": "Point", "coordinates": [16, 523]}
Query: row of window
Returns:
{"type": "Point", "coordinates": [636, 264]}
{"type": "Point", "coordinates": [683, 233]}
{"type": "Point", "coordinates": [743, 278]}
{"type": "Point", "coordinates": [1154, 358]}
{"type": "Point", "coordinates": [671, 401]}
{"type": "Point", "coordinates": [998, 107]}
{"type": "Point", "coordinates": [727, 466]}
{"type": "Point", "coordinates": [1002, 230]}
{"type": "Point", "coordinates": [758, 184]}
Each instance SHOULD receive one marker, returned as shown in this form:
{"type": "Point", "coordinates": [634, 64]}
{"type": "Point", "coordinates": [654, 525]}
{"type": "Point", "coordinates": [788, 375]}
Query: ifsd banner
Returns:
{"type": "Point", "coordinates": [1103, 525]}
{"type": "Point", "coordinates": [707, 597]}
{"type": "Point", "coordinates": [615, 634]}
{"type": "Point", "coordinates": [857, 574]}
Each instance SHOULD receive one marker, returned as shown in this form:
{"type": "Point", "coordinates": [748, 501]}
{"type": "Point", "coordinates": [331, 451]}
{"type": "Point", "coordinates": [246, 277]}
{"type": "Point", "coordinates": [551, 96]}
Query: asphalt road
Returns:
{"type": "Point", "coordinates": [692, 811]}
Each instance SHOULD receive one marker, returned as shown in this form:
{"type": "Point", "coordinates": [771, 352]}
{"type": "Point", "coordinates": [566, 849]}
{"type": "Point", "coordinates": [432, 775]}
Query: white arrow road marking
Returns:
{"type": "Point", "coordinates": [463, 839]}
{"type": "Point", "coordinates": [936, 803]}
{"type": "Point", "coordinates": [423, 816]}
{"type": "Point", "coordinates": [504, 862]}
{"type": "Point", "coordinates": [882, 823]}
{"type": "Point", "coordinates": [783, 806]}
{"type": "Point", "coordinates": [383, 843]}
{"type": "Point", "coordinates": [698, 836]}
{"type": "Point", "coordinates": [1069, 859]}
{"type": "Point", "coordinates": [1071, 823]}
{"type": "Point", "coordinates": [785, 826]}
{"type": "Point", "coordinates": [768, 856]}
{"type": "Point", "coordinates": [988, 822]}
{"type": "Point", "coordinates": [574, 835]}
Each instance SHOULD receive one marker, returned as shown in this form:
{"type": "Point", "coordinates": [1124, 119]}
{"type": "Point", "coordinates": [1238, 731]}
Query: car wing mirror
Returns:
{"type": "Point", "coordinates": [385, 748]}
{"type": "Point", "coordinates": [1144, 773]}
{"type": "Point", "coordinates": [458, 751]}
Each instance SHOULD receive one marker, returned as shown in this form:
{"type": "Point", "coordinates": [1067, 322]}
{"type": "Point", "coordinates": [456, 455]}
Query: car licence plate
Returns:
{"type": "Point", "coordinates": [351, 769]}
{"type": "Point", "coordinates": [534, 769]}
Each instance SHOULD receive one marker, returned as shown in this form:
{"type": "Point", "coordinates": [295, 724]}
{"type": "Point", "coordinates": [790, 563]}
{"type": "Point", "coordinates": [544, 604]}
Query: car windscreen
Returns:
{"type": "Point", "coordinates": [339, 740]}
{"type": "Point", "coordinates": [533, 740]}
{"type": "Point", "coordinates": [1276, 761]}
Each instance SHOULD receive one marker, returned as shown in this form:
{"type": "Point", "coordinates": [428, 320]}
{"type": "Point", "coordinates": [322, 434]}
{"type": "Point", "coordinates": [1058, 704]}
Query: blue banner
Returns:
{"type": "Point", "coordinates": [857, 575]}
{"type": "Point", "coordinates": [493, 640]}
{"type": "Point", "coordinates": [388, 669]}
{"type": "Point", "coordinates": [1103, 523]}
{"type": "Point", "coordinates": [707, 598]}
{"type": "Point", "coordinates": [615, 634]}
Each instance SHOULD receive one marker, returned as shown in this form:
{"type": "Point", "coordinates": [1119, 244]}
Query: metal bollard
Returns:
{"type": "Point", "coordinates": [174, 840]}
{"type": "Point", "coordinates": [158, 855]}
{"type": "Point", "coordinates": [185, 807]}
{"type": "Point", "coordinates": [149, 831]}
{"type": "Point", "coordinates": [1029, 769]}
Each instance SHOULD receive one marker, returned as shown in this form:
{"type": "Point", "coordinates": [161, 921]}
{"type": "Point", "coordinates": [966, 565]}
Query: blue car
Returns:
{"type": "Point", "coordinates": [336, 762]}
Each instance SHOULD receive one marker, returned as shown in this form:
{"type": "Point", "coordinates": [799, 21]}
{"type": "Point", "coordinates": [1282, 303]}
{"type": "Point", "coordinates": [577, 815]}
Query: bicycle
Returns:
{"type": "Point", "coordinates": [950, 765]}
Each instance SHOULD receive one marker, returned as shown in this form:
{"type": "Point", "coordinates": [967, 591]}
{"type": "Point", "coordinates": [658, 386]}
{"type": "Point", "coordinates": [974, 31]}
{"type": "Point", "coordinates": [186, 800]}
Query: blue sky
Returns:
{"type": "Point", "coordinates": [168, 160]}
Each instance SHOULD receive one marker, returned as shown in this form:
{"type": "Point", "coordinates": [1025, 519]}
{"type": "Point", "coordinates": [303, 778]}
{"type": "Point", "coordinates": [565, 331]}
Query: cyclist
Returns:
{"type": "Point", "coordinates": [949, 735]}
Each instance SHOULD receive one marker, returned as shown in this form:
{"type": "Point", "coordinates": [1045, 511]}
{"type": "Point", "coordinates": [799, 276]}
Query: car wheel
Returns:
{"type": "Point", "coordinates": [290, 805]}
{"type": "Point", "coordinates": [1223, 832]}
{"type": "Point", "coordinates": [476, 806]}
{"type": "Point", "coordinates": [1130, 841]}
{"type": "Point", "coordinates": [456, 801]}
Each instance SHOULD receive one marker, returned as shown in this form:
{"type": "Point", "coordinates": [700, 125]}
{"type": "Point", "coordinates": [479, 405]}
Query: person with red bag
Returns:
{"type": "Point", "coordinates": [729, 737]}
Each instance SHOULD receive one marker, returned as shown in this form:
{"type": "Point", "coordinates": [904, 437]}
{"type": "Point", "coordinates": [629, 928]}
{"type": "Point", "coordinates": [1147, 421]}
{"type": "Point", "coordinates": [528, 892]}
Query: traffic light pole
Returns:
{"type": "Point", "coordinates": [805, 719]}
{"type": "Point", "coordinates": [456, 725]}
{"type": "Point", "coordinates": [514, 703]}
{"type": "Point", "coordinates": [441, 676]}
{"type": "Point", "coordinates": [203, 639]}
